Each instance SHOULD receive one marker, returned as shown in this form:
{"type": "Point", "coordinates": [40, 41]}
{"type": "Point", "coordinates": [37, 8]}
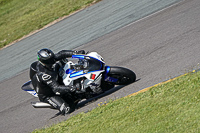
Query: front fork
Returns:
{"type": "Point", "coordinates": [106, 76]}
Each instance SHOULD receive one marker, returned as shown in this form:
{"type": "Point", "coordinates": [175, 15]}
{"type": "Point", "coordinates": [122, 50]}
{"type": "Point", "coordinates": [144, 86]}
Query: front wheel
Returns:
{"type": "Point", "coordinates": [124, 76]}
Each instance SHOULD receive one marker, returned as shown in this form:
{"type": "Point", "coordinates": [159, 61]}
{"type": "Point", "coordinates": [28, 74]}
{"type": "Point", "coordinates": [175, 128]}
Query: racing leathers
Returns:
{"type": "Point", "coordinates": [48, 86]}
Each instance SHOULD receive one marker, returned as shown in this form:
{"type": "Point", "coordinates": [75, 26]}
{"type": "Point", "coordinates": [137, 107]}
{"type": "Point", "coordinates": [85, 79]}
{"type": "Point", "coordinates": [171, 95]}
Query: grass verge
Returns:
{"type": "Point", "coordinates": [20, 17]}
{"type": "Point", "coordinates": [171, 107]}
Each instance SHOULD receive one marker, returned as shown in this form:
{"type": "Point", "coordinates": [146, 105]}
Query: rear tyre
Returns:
{"type": "Point", "coordinates": [124, 75]}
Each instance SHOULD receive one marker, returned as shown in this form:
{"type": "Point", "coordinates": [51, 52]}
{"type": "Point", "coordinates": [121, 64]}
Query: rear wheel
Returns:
{"type": "Point", "coordinates": [124, 75]}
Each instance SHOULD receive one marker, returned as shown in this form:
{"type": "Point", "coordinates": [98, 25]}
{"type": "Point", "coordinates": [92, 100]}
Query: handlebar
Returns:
{"type": "Point", "coordinates": [82, 65]}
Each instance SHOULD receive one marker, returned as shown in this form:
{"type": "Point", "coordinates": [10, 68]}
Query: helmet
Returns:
{"type": "Point", "coordinates": [46, 57]}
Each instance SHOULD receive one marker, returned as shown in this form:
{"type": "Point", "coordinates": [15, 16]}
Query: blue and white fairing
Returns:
{"type": "Point", "coordinates": [89, 66]}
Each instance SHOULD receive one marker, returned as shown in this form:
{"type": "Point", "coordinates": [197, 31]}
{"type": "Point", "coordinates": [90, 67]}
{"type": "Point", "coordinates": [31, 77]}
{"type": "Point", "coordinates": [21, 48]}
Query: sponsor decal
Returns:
{"type": "Point", "coordinates": [49, 82]}
{"type": "Point", "coordinates": [46, 77]}
{"type": "Point", "coordinates": [93, 76]}
{"type": "Point", "coordinates": [52, 103]}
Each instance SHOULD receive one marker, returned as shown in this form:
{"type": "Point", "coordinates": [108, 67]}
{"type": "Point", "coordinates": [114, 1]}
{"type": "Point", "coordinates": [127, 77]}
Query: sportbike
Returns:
{"type": "Point", "coordinates": [91, 71]}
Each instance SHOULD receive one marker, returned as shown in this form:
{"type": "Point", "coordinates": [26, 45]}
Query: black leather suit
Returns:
{"type": "Point", "coordinates": [46, 83]}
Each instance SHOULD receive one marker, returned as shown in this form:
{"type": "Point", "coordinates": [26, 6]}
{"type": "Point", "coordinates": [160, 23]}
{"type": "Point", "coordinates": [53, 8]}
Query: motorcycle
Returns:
{"type": "Point", "coordinates": [89, 70]}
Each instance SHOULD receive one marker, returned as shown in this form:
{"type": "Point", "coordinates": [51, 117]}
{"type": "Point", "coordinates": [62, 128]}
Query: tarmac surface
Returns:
{"type": "Point", "coordinates": [157, 45]}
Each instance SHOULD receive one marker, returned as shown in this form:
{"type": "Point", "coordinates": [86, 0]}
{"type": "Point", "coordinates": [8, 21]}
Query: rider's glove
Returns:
{"type": "Point", "coordinates": [76, 87]}
{"type": "Point", "coordinates": [73, 88]}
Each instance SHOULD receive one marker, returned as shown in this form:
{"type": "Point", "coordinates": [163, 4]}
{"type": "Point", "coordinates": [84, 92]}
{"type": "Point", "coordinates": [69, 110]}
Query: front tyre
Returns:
{"type": "Point", "coordinates": [124, 75]}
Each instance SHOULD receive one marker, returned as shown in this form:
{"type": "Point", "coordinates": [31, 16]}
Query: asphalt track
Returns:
{"type": "Point", "coordinates": [157, 47]}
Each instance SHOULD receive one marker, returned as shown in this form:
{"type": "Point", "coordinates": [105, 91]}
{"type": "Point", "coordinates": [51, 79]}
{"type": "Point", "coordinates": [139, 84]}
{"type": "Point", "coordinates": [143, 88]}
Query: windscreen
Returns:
{"type": "Point", "coordinates": [88, 64]}
{"type": "Point", "coordinates": [94, 64]}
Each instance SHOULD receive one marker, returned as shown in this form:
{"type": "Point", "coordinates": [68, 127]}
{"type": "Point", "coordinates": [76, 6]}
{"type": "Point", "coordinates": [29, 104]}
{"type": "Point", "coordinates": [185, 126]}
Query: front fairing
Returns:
{"type": "Point", "coordinates": [88, 66]}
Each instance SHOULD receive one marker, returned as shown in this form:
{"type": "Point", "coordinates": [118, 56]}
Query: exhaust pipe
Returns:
{"type": "Point", "coordinates": [41, 105]}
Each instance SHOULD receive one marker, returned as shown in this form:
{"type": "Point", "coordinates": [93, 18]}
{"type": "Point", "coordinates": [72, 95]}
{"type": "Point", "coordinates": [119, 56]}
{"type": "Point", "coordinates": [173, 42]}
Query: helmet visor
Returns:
{"type": "Point", "coordinates": [49, 61]}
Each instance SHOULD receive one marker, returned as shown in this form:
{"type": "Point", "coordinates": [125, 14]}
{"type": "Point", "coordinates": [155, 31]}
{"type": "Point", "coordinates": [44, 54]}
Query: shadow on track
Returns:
{"type": "Point", "coordinates": [93, 99]}
{"type": "Point", "coordinates": [88, 101]}
{"type": "Point", "coordinates": [106, 93]}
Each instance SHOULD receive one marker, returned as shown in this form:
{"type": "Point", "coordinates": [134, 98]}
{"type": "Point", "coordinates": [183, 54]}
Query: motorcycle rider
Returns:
{"type": "Point", "coordinates": [46, 81]}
